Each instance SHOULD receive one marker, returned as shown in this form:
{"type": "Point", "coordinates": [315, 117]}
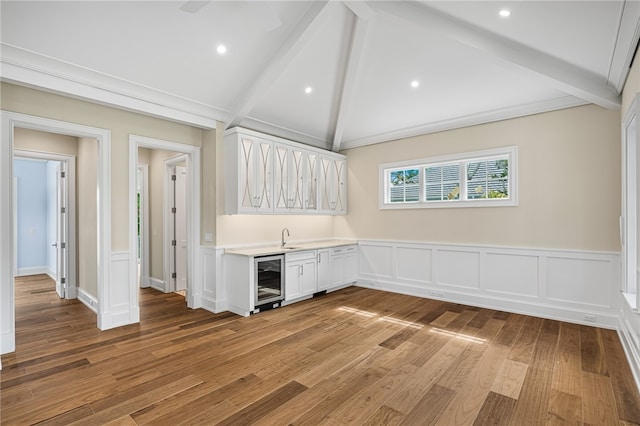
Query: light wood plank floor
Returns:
{"type": "Point", "coordinates": [356, 356]}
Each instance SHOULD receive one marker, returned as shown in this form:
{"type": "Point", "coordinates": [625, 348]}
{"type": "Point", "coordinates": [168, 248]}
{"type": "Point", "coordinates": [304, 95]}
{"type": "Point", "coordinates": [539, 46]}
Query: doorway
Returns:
{"type": "Point", "coordinates": [184, 163]}
{"type": "Point", "coordinates": [11, 121]}
{"type": "Point", "coordinates": [176, 221]}
{"type": "Point", "coordinates": [44, 214]}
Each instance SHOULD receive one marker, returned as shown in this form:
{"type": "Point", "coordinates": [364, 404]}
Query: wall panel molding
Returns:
{"type": "Point", "coordinates": [121, 307]}
{"type": "Point", "coordinates": [213, 296]}
{"type": "Point", "coordinates": [567, 285]}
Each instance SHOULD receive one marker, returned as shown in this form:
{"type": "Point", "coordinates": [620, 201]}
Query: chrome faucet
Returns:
{"type": "Point", "coordinates": [283, 239]}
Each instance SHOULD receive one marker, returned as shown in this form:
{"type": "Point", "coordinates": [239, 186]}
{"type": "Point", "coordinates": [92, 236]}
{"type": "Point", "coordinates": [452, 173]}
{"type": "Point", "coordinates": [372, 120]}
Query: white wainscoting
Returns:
{"type": "Point", "coordinates": [213, 297]}
{"type": "Point", "coordinates": [120, 306]}
{"type": "Point", "coordinates": [629, 332]}
{"type": "Point", "coordinates": [567, 285]}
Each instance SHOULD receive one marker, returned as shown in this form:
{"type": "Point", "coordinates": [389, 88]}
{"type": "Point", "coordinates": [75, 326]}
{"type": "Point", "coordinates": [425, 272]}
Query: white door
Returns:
{"type": "Point", "coordinates": [179, 228]}
{"type": "Point", "coordinates": [62, 232]}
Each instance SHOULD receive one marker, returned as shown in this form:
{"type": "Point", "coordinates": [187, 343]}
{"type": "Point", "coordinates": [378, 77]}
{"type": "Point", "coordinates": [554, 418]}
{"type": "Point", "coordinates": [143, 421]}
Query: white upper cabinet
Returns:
{"type": "Point", "coordinates": [265, 174]}
{"type": "Point", "coordinates": [310, 181]}
{"type": "Point", "coordinates": [250, 175]}
{"type": "Point", "coordinates": [333, 185]}
{"type": "Point", "coordinates": [288, 186]}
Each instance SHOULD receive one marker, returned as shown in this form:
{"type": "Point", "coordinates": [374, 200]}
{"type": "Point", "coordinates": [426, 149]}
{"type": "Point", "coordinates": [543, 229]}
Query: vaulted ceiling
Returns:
{"type": "Point", "coordinates": [358, 58]}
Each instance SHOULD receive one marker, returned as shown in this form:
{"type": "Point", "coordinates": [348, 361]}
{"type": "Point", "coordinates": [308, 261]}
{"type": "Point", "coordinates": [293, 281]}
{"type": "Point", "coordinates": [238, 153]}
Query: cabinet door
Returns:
{"type": "Point", "coordinates": [256, 165]}
{"type": "Point", "coordinates": [296, 176]}
{"type": "Point", "coordinates": [310, 181]}
{"type": "Point", "coordinates": [293, 280]}
{"type": "Point", "coordinates": [309, 278]}
{"type": "Point", "coordinates": [337, 267]}
{"type": "Point", "coordinates": [324, 270]}
{"type": "Point", "coordinates": [281, 178]}
{"type": "Point", "coordinates": [333, 190]}
{"type": "Point", "coordinates": [288, 178]}
{"type": "Point", "coordinates": [350, 265]}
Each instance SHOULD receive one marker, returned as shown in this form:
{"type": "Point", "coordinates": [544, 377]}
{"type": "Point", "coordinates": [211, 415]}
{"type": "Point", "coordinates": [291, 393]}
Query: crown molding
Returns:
{"type": "Point", "coordinates": [469, 120]}
{"type": "Point", "coordinates": [23, 67]}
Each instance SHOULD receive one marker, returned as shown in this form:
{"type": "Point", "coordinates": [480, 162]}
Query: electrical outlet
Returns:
{"type": "Point", "coordinates": [590, 318]}
{"type": "Point", "coordinates": [436, 293]}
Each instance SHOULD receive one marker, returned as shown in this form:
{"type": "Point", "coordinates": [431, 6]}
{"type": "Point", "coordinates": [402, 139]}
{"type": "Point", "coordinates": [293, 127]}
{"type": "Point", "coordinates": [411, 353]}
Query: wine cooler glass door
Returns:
{"type": "Point", "coordinates": [269, 279]}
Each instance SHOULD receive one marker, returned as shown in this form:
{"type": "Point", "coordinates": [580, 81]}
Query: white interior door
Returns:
{"type": "Point", "coordinates": [62, 231]}
{"type": "Point", "coordinates": [181, 227]}
{"type": "Point", "coordinates": [178, 228]}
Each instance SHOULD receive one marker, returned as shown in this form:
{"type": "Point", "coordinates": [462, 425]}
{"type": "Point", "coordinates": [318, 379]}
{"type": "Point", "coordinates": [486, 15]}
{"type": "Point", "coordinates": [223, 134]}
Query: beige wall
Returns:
{"type": "Point", "coordinates": [34, 140]}
{"type": "Point", "coordinates": [120, 123]}
{"type": "Point", "coordinates": [569, 185]}
{"type": "Point", "coordinates": [563, 202]}
{"type": "Point", "coordinates": [209, 185]}
{"type": "Point", "coordinates": [87, 215]}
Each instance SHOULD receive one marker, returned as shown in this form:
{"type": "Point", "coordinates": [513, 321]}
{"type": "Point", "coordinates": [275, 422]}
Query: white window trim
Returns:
{"type": "Point", "coordinates": [511, 152]}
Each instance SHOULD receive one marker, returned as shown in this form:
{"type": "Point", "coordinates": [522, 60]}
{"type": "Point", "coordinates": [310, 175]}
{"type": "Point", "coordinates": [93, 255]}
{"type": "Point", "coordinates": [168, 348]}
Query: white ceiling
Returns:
{"type": "Point", "coordinates": [358, 56]}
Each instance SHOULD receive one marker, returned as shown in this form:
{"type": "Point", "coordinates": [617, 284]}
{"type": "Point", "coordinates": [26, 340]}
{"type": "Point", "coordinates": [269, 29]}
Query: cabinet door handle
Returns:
{"type": "Point", "coordinates": [318, 257]}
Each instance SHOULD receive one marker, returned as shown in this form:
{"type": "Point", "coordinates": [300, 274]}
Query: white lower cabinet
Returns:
{"type": "Point", "coordinates": [300, 275]}
{"type": "Point", "coordinates": [324, 269]}
{"type": "Point", "coordinates": [312, 271]}
{"type": "Point", "coordinates": [344, 265]}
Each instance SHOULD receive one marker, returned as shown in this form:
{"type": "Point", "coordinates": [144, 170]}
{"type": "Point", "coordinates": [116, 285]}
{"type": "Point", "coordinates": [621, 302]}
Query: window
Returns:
{"type": "Point", "coordinates": [485, 178]}
{"type": "Point", "coordinates": [404, 186]}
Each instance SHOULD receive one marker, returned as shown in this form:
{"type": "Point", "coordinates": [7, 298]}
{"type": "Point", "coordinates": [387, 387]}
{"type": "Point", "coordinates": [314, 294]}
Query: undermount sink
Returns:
{"type": "Point", "coordinates": [289, 248]}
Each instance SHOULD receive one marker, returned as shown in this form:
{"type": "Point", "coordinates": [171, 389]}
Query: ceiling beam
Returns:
{"type": "Point", "coordinates": [360, 8]}
{"type": "Point", "coordinates": [626, 44]}
{"type": "Point", "coordinates": [267, 75]}
{"type": "Point", "coordinates": [560, 74]}
{"type": "Point", "coordinates": [350, 79]}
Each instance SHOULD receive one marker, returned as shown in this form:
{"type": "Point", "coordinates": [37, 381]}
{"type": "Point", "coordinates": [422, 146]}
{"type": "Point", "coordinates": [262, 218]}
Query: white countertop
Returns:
{"type": "Point", "coordinates": [289, 248]}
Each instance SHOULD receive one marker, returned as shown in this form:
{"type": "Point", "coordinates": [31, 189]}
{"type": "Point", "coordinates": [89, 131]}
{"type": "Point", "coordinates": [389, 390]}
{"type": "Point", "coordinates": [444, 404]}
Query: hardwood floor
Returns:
{"type": "Point", "coordinates": [356, 356]}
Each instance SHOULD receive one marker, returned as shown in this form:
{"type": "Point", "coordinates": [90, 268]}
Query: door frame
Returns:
{"type": "Point", "coordinates": [71, 291]}
{"type": "Point", "coordinates": [144, 228]}
{"type": "Point", "coordinates": [630, 200]}
{"type": "Point", "coordinates": [170, 163]}
{"type": "Point", "coordinates": [9, 121]}
{"type": "Point", "coordinates": [193, 216]}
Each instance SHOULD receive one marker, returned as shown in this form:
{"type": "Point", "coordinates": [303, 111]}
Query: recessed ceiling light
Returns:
{"type": "Point", "coordinates": [221, 49]}
{"type": "Point", "coordinates": [415, 83]}
{"type": "Point", "coordinates": [505, 13]}
{"type": "Point", "coordinates": [308, 90]}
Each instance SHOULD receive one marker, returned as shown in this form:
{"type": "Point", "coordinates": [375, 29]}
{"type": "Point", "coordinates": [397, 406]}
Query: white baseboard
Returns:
{"type": "Point", "coordinates": [145, 282]}
{"type": "Point", "coordinates": [88, 300]}
{"type": "Point", "coordinates": [213, 305]}
{"type": "Point", "coordinates": [499, 303]}
{"type": "Point", "coordinates": [32, 270]}
{"type": "Point", "coordinates": [52, 274]}
{"type": "Point", "coordinates": [158, 284]}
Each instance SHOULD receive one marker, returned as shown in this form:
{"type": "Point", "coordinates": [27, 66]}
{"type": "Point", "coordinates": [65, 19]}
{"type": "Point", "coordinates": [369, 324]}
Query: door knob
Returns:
{"type": "Point", "coordinates": [54, 245]}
